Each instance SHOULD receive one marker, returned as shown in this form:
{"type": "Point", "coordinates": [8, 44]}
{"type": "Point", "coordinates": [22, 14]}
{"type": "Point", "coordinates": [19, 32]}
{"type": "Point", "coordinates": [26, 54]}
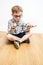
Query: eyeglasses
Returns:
{"type": "Point", "coordinates": [16, 16]}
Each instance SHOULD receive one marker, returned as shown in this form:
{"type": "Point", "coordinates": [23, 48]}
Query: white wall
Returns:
{"type": "Point", "coordinates": [33, 13]}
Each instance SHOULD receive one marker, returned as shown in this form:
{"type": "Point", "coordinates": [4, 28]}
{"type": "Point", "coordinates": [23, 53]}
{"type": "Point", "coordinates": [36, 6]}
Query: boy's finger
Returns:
{"type": "Point", "coordinates": [34, 26]}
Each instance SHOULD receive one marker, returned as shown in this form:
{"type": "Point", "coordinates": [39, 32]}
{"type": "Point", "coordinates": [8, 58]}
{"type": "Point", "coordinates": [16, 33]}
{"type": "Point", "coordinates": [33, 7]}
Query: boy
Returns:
{"type": "Point", "coordinates": [17, 30]}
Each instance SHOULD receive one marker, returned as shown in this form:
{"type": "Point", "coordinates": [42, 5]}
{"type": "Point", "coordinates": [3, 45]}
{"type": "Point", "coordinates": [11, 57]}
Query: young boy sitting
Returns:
{"type": "Point", "coordinates": [17, 30]}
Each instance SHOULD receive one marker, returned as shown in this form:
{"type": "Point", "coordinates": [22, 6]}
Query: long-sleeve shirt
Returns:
{"type": "Point", "coordinates": [21, 27]}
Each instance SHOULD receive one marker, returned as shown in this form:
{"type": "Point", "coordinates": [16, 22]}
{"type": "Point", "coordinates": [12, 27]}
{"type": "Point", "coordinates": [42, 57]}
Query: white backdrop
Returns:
{"type": "Point", "coordinates": [33, 13]}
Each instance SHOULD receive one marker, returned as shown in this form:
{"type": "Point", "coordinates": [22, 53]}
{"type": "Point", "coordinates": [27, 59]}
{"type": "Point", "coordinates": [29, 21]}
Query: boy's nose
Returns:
{"type": "Point", "coordinates": [18, 17]}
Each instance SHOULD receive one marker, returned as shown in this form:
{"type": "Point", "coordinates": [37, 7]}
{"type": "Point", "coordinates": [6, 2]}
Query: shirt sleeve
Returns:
{"type": "Point", "coordinates": [11, 31]}
{"type": "Point", "coordinates": [9, 26]}
{"type": "Point", "coordinates": [25, 27]}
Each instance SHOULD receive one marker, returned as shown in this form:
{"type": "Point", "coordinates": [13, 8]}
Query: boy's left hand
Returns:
{"type": "Point", "coordinates": [31, 26]}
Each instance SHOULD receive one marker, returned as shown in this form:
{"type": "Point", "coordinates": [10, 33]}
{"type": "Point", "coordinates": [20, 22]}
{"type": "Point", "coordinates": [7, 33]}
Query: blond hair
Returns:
{"type": "Point", "coordinates": [16, 9]}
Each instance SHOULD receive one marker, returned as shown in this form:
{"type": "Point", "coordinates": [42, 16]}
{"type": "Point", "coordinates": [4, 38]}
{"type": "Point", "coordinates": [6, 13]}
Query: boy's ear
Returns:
{"type": "Point", "coordinates": [11, 14]}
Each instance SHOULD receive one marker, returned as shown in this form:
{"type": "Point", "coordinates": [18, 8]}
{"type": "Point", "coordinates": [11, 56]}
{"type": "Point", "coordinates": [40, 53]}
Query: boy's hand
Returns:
{"type": "Point", "coordinates": [13, 26]}
{"type": "Point", "coordinates": [31, 26]}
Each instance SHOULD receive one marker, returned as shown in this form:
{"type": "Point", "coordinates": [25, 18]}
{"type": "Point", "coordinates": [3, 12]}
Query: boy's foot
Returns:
{"type": "Point", "coordinates": [16, 44]}
{"type": "Point", "coordinates": [27, 41]}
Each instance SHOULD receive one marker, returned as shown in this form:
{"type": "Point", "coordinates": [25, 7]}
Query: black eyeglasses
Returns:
{"type": "Point", "coordinates": [16, 16]}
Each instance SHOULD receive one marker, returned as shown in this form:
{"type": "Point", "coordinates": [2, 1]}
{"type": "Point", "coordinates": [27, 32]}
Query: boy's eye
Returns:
{"type": "Point", "coordinates": [17, 16]}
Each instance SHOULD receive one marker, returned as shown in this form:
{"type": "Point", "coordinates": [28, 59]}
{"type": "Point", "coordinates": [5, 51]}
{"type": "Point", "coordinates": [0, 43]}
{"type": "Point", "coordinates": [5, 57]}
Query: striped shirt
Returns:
{"type": "Point", "coordinates": [21, 27]}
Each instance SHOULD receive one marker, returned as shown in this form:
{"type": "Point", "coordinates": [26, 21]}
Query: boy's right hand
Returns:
{"type": "Point", "coordinates": [13, 26]}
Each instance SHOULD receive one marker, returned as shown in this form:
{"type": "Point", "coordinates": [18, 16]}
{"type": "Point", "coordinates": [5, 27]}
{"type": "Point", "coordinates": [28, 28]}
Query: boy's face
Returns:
{"type": "Point", "coordinates": [17, 16]}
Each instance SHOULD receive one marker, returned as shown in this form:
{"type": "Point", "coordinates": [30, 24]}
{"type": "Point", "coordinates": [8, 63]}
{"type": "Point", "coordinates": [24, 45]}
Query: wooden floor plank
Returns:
{"type": "Point", "coordinates": [27, 54]}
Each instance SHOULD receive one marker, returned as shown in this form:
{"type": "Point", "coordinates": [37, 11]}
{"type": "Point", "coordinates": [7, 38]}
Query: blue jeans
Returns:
{"type": "Point", "coordinates": [20, 35]}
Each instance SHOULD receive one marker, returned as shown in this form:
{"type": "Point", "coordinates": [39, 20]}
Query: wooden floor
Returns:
{"type": "Point", "coordinates": [27, 54]}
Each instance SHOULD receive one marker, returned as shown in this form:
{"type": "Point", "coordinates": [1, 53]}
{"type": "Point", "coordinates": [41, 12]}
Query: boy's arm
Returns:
{"type": "Point", "coordinates": [11, 26]}
{"type": "Point", "coordinates": [27, 27]}
{"type": "Point", "coordinates": [31, 26]}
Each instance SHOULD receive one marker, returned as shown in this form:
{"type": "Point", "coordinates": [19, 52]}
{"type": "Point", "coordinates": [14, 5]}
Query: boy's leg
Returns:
{"type": "Point", "coordinates": [25, 37]}
{"type": "Point", "coordinates": [12, 38]}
